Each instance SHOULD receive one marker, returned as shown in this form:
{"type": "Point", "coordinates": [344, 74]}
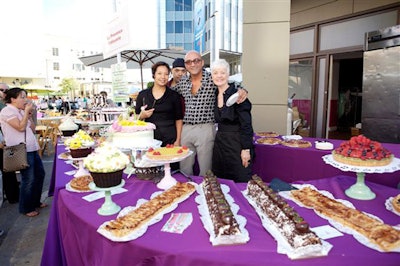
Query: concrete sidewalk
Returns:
{"type": "Point", "coordinates": [23, 239]}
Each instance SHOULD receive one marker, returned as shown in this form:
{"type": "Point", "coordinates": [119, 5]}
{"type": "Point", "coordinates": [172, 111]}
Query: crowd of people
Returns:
{"type": "Point", "coordinates": [189, 109]}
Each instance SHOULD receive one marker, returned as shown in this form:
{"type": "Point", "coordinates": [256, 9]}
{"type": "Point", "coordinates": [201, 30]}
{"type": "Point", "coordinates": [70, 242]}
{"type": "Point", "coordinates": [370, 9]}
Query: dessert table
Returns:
{"type": "Point", "coordinates": [292, 164]}
{"type": "Point", "coordinates": [72, 238]}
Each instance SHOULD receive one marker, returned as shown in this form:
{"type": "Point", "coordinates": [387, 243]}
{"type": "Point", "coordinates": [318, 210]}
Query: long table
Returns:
{"type": "Point", "coordinates": [293, 164]}
{"type": "Point", "coordinates": [72, 238]}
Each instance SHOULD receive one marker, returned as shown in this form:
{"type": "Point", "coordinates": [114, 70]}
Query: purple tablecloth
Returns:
{"type": "Point", "coordinates": [72, 238]}
{"type": "Point", "coordinates": [294, 164]}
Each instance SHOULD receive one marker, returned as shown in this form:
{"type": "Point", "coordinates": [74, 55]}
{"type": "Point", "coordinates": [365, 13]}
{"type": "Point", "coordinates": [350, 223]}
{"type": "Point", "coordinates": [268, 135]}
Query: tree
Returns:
{"type": "Point", "coordinates": [69, 85]}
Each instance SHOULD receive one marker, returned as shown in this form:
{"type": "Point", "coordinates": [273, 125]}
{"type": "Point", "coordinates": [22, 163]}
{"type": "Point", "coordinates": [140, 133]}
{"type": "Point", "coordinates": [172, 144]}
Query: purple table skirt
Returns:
{"type": "Point", "coordinates": [295, 164]}
{"type": "Point", "coordinates": [72, 238]}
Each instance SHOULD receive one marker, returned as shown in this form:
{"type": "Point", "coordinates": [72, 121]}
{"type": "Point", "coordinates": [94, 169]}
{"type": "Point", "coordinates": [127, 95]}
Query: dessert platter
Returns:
{"type": "Point", "coordinates": [79, 184]}
{"type": "Point", "coordinates": [108, 207]}
{"type": "Point", "coordinates": [362, 155]}
{"type": "Point", "coordinates": [289, 229]}
{"type": "Point", "coordinates": [393, 204]}
{"type": "Point", "coordinates": [269, 134]}
{"type": "Point", "coordinates": [268, 141]}
{"type": "Point", "coordinates": [167, 155]}
{"type": "Point", "coordinates": [367, 229]}
{"type": "Point", "coordinates": [132, 222]}
{"type": "Point", "coordinates": [219, 213]}
{"type": "Point", "coordinates": [296, 143]}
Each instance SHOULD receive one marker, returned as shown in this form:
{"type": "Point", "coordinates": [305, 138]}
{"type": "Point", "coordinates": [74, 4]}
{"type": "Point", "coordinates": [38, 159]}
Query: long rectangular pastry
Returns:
{"type": "Point", "coordinates": [383, 235]}
{"type": "Point", "coordinates": [287, 227]}
{"type": "Point", "coordinates": [140, 216]}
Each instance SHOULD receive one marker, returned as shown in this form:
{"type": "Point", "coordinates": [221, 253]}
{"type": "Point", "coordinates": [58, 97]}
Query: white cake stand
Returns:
{"type": "Point", "coordinates": [360, 190]}
{"type": "Point", "coordinates": [109, 207]}
{"type": "Point", "coordinates": [81, 169]}
{"type": "Point", "coordinates": [168, 180]}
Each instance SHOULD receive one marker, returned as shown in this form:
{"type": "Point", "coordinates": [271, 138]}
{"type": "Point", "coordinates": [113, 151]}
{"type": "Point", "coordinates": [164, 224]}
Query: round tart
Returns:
{"type": "Point", "coordinates": [81, 183]}
{"type": "Point", "coordinates": [270, 134]}
{"type": "Point", "coordinates": [169, 152]}
{"type": "Point", "coordinates": [268, 141]}
{"type": "Point", "coordinates": [396, 203]}
{"type": "Point", "coordinates": [296, 143]}
{"type": "Point", "coordinates": [361, 151]}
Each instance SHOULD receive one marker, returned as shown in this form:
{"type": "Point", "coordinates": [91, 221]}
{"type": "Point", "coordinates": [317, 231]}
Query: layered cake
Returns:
{"type": "Point", "coordinates": [106, 164]}
{"type": "Point", "coordinates": [80, 144]}
{"type": "Point", "coordinates": [129, 133]}
{"type": "Point", "coordinates": [141, 215]}
{"type": "Point", "coordinates": [283, 219]}
{"type": "Point", "coordinates": [168, 152]}
{"type": "Point", "coordinates": [68, 127]}
{"type": "Point", "coordinates": [361, 151]}
{"type": "Point", "coordinates": [384, 236]}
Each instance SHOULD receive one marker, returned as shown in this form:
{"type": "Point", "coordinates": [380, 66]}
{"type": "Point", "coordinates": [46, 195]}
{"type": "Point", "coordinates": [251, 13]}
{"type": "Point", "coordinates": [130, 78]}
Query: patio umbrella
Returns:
{"type": "Point", "coordinates": [135, 59]}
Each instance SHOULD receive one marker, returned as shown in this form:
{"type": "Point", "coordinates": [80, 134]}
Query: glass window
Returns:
{"type": "Point", "coordinates": [170, 27]}
{"type": "Point", "coordinates": [56, 66]}
{"type": "Point", "coordinates": [170, 4]}
{"type": "Point", "coordinates": [178, 27]}
{"type": "Point", "coordinates": [178, 5]}
{"type": "Point", "coordinates": [188, 5]}
{"type": "Point", "coordinates": [300, 82]}
{"type": "Point", "coordinates": [55, 51]}
{"type": "Point", "coordinates": [187, 26]}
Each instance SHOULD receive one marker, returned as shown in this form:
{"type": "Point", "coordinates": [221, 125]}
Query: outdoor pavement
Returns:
{"type": "Point", "coordinates": [23, 239]}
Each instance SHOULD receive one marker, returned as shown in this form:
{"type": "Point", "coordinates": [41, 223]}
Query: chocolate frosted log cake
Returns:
{"type": "Point", "coordinates": [287, 227]}
{"type": "Point", "coordinates": [143, 214]}
{"type": "Point", "coordinates": [384, 236]}
{"type": "Point", "coordinates": [217, 214]}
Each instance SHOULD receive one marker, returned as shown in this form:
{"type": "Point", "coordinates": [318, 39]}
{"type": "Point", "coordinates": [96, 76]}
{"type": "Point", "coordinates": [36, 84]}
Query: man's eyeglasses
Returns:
{"type": "Point", "coordinates": [195, 61]}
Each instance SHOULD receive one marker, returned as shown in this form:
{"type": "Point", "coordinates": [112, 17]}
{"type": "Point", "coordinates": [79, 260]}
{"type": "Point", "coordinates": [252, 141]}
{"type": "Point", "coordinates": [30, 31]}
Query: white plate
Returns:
{"type": "Point", "coordinates": [232, 100]}
{"type": "Point", "coordinates": [292, 137]}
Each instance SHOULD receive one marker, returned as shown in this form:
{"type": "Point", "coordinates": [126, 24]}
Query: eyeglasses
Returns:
{"type": "Point", "coordinates": [195, 61]}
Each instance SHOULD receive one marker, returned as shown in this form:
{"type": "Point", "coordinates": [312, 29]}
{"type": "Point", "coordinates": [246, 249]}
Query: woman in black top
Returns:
{"type": "Point", "coordinates": [161, 106]}
{"type": "Point", "coordinates": [233, 146]}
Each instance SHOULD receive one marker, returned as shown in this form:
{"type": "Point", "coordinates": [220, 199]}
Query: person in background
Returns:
{"type": "Point", "coordinates": [198, 132]}
{"type": "Point", "coordinates": [161, 106]}
{"type": "Point", "coordinates": [178, 71]}
{"type": "Point", "coordinates": [233, 145]}
{"type": "Point", "coordinates": [17, 126]}
{"type": "Point", "coordinates": [10, 182]}
{"type": "Point", "coordinates": [109, 102]}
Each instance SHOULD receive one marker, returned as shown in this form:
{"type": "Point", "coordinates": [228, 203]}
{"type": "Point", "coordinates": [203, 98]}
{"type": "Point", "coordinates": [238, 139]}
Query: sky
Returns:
{"type": "Point", "coordinates": [77, 18]}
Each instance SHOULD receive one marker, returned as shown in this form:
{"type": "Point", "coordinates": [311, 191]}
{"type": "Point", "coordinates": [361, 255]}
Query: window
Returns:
{"type": "Point", "coordinates": [178, 5]}
{"type": "Point", "coordinates": [188, 5]}
{"type": "Point", "coordinates": [56, 66]}
{"type": "Point", "coordinates": [178, 27]}
{"type": "Point", "coordinates": [187, 25]}
{"type": "Point", "coordinates": [170, 27]}
{"type": "Point", "coordinates": [55, 51]}
{"type": "Point", "coordinates": [170, 5]}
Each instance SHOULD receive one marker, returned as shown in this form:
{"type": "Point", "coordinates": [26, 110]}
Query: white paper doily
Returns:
{"type": "Point", "coordinates": [358, 236]}
{"type": "Point", "coordinates": [390, 168]}
{"type": "Point", "coordinates": [142, 229]}
{"type": "Point", "coordinates": [389, 206]}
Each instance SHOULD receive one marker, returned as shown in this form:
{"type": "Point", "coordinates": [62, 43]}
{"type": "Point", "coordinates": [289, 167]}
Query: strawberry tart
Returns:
{"type": "Point", "coordinates": [361, 151]}
{"type": "Point", "coordinates": [169, 152]}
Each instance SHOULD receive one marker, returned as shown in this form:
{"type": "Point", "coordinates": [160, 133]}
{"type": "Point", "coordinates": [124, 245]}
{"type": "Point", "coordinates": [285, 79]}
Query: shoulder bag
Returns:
{"type": "Point", "coordinates": [15, 157]}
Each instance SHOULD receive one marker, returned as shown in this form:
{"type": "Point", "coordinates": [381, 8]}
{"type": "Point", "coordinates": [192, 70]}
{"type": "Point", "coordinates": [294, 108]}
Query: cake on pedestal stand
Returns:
{"type": "Point", "coordinates": [168, 180]}
{"type": "Point", "coordinates": [360, 190]}
{"type": "Point", "coordinates": [109, 207]}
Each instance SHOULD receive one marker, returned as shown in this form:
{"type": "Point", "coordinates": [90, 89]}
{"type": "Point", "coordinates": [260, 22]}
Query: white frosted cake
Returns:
{"type": "Point", "coordinates": [132, 134]}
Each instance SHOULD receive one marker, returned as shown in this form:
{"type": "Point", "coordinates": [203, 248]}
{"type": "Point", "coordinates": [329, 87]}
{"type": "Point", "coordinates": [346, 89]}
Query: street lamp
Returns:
{"type": "Point", "coordinates": [214, 47]}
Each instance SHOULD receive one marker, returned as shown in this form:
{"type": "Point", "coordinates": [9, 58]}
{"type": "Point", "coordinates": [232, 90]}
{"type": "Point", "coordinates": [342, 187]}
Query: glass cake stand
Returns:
{"type": "Point", "coordinates": [109, 207]}
{"type": "Point", "coordinates": [168, 180]}
{"type": "Point", "coordinates": [360, 190]}
{"type": "Point", "coordinates": [81, 169]}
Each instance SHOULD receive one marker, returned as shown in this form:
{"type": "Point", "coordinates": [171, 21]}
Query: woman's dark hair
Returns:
{"type": "Point", "coordinates": [13, 93]}
{"type": "Point", "coordinates": [156, 65]}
